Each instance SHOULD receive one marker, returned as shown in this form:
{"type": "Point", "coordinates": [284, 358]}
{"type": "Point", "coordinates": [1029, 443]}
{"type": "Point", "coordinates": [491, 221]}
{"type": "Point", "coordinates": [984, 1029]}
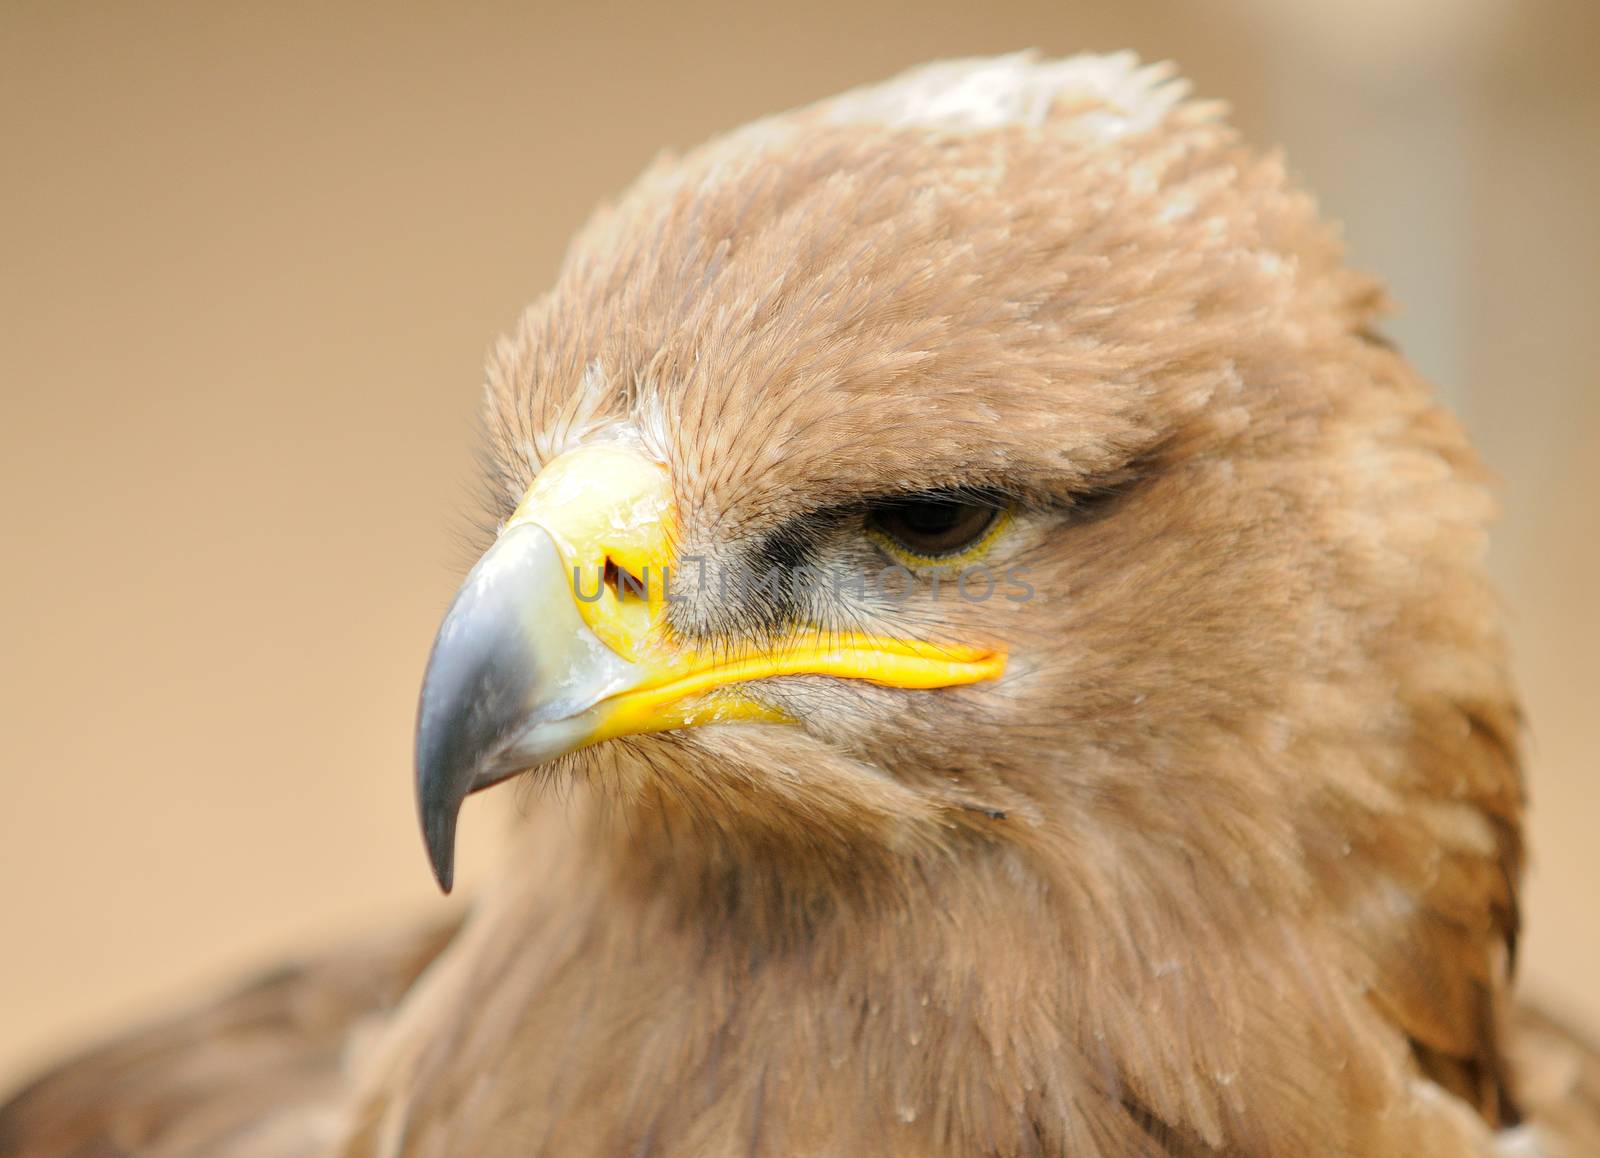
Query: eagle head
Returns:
{"type": "Point", "coordinates": [998, 468]}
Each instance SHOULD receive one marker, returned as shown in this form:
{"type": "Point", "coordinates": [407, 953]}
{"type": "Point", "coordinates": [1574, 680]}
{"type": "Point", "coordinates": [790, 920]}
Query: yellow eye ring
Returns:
{"type": "Point", "coordinates": [970, 552]}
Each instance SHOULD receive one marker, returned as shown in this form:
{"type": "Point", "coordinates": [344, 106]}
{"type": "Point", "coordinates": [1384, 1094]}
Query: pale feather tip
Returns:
{"type": "Point", "coordinates": [1092, 96]}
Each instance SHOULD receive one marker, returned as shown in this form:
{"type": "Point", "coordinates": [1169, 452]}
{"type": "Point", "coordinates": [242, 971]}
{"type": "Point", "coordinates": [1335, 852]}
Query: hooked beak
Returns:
{"type": "Point", "coordinates": [544, 651]}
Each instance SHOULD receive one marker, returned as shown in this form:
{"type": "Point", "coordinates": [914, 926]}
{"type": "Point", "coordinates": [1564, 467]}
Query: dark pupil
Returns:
{"type": "Point", "coordinates": [932, 518]}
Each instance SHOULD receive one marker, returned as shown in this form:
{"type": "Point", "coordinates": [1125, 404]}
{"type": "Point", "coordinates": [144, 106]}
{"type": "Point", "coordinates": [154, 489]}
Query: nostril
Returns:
{"type": "Point", "coordinates": [624, 584]}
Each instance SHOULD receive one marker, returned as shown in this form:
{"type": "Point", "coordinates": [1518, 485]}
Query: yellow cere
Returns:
{"type": "Point", "coordinates": [601, 503]}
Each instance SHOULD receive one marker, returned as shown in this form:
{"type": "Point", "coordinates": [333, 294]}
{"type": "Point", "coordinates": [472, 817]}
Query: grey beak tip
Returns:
{"type": "Point", "coordinates": [439, 834]}
{"type": "Point", "coordinates": [443, 777]}
{"type": "Point", "coordinates": [443, 872]}
{"type": "Point", "coordinates": [443, 781]}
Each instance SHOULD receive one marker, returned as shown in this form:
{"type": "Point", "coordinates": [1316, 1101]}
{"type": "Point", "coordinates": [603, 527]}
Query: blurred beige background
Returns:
{"type": "Point", "coordinates": [250, 258]}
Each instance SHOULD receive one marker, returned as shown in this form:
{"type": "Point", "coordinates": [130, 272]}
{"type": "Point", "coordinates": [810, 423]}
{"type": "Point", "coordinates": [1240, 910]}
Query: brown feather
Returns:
{"type": "Point", "coordinates": [260, 1072]}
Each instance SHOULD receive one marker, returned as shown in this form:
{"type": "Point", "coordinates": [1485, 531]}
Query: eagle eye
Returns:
{"type": "Point", "coordinates": [932, 526]}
